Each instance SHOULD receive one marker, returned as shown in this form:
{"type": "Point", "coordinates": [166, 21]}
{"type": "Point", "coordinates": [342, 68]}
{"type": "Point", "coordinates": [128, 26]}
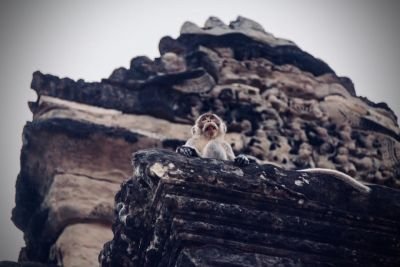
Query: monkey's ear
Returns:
{"type": "Point", "coordinates": [223, 127]}
{"type": "Point", "coordinates": [195, 130]}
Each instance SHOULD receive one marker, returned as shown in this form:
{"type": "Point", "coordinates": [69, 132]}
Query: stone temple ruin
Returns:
{"type": "Point", "coordinates": [283, 107]}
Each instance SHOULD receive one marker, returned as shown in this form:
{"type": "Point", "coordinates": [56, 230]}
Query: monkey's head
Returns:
{"type": "Point", "coordinates": [210, 126]}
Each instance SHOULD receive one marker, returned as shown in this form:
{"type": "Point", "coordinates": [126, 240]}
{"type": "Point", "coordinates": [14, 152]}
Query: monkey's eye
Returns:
{"type": "Point", "coordinates": [215, 119]}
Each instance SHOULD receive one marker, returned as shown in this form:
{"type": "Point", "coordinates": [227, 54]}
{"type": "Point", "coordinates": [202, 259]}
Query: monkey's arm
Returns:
{"type": "Point", "coordinates": [229, 152]}
{"type": "Point", "coordinates": [189, 149]}
{"type": "Point", "coordinates": [240, 160]}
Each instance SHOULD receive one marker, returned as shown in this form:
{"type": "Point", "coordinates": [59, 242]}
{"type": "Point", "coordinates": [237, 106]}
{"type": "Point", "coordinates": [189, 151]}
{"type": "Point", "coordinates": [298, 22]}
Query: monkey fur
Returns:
{"type": "Point", "coordinates": [208, 141]}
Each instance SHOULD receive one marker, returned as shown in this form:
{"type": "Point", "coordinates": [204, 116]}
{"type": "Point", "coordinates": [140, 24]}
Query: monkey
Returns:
{"type": "Point", "coordinates": [341, 176]}
{"type": "Point", "coordinates": [208, 141]}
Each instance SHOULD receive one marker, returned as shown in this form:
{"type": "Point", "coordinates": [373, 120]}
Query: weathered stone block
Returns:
{"type": "Point", "coordinates": [178, 211]}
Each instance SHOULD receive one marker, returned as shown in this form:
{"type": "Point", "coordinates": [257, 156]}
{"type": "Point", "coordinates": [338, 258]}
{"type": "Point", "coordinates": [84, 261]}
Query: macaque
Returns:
{"type": "Point", "coordinates": [208, 141]}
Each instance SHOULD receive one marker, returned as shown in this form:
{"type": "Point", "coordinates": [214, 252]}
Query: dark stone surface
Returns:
{"type": "Point", "coordinates": [179, 211]}
{"type": "Point", "coordinates": [246, 48]}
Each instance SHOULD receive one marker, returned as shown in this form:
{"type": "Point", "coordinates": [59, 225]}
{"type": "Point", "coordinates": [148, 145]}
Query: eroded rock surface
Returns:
{"type": "Point", "coordinates": [281, 104]}
{"type": "Point", "coordinates": [176, 212]}
{"type": "Point", "coordinates": [79, 244]}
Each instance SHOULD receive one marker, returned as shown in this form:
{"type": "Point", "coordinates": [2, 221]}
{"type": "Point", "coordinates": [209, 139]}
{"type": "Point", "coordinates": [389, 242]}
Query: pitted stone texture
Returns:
{"type": "Point", "coordinates": [176, 212]}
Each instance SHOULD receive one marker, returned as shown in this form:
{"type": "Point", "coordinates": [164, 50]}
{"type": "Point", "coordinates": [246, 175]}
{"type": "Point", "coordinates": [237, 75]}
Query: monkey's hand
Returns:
{"type": "Point", "coordinates": [187, 151]}
{"type": "Point", "coordinates": [242, 161]}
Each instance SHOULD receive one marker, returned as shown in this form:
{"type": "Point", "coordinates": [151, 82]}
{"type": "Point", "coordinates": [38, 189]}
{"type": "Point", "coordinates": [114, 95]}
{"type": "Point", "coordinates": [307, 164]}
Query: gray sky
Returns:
{"type": "Point", "coordinates": [89, 39]}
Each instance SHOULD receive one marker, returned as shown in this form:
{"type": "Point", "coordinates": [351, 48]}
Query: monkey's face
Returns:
{"type": "Point", "coordinates": [210, 125]}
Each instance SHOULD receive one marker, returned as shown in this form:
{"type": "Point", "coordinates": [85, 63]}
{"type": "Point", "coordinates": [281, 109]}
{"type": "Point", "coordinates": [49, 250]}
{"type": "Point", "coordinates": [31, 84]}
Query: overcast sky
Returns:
{"type": "Point", "coordinates": [358, 39]}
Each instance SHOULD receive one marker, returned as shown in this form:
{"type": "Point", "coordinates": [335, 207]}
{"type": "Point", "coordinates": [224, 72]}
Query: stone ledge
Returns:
{"type": "Point", "coordinates": [177, 211]}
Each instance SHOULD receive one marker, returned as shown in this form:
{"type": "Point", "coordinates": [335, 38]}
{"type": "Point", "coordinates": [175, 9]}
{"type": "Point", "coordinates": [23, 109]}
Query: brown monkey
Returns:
{"type": "Point", "coordinates": [208, 141]}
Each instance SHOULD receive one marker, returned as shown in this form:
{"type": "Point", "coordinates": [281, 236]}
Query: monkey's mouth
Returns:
{"type": "Point", "coordinates": [210, 127]}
